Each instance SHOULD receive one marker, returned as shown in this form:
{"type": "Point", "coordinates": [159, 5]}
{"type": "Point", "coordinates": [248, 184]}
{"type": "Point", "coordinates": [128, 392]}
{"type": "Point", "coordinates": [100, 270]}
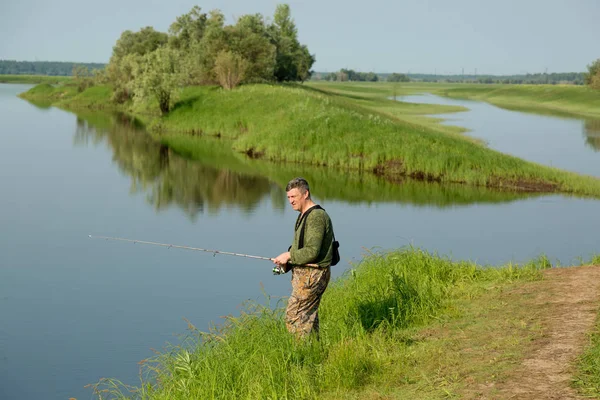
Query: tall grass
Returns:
{"type": "Point", "coordinates": [33, 79]}
{"type": "Point", "coordinates": [67, 95]}
{"type": "Point", "coordinates": [296, 125]}
{"type": "Point", "coordinates": [366, 318]}
{"type": "Point", "coordinates": [587, 378]}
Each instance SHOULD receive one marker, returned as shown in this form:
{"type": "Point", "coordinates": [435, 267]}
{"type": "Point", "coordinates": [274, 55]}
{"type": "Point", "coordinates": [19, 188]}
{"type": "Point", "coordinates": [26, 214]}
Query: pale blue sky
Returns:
{"type": "Point", "coordinates": [427, 36]}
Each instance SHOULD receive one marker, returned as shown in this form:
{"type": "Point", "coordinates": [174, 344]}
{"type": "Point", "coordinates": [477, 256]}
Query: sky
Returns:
{"type": "Point", "coordinates": [408, 36]}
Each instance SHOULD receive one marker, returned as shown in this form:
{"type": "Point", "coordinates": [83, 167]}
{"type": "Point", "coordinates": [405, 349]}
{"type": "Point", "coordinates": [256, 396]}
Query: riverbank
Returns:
{"type": "Point", "coordinates": [404, 324]}
{"type": "Point", "coordinates": [214, 171]}
{"type": "Point", "coordinates": [33, 79]}
{"type": "Point", "coordinates": [558, 100]}
{"type": "Point", "coordinates": [296, 124]}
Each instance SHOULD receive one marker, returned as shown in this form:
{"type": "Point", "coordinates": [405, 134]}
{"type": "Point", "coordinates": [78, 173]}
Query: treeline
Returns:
{"type": "Point", "coordinates": [349, 75]}
{"type": "Point", "coordinates": [200, 49]}
{"type": "Point", "coordinates": [51, 68]}
{"type": "Point", "coordinates": [575, 78]}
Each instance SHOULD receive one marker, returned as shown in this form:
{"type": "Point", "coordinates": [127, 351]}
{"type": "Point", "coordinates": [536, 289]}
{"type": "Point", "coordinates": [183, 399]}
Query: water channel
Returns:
{"type": "Point", "coordinates": [75, 309]}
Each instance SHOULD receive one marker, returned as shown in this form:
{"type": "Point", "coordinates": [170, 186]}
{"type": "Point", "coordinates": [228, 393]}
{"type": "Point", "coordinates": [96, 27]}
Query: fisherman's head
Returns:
{"type": "Point", "coordinates": [298, 193]}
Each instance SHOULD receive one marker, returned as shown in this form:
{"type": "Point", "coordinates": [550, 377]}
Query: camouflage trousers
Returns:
{"type": "Point", "coordinates": [308, 285]}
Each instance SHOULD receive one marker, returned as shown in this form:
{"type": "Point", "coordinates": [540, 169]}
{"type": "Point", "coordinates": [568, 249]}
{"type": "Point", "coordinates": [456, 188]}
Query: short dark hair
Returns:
{"type": "Point", "coordinates": [298, 183]}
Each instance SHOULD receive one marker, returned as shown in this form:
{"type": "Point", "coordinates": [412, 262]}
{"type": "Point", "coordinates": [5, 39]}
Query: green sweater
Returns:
{"type": "Point", "coordinates": [318, 240]}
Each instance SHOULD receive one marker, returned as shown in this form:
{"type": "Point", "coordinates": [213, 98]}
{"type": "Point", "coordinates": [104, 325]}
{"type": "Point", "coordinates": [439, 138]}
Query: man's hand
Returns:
{"type": "Point", "coordinates": [283, 258]}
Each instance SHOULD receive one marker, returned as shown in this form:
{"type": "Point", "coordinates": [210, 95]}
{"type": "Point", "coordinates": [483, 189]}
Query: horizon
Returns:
{"type": "Point", "coordinates": [329, 72]}
{"type": "Point", "coordinates": [433, 37]}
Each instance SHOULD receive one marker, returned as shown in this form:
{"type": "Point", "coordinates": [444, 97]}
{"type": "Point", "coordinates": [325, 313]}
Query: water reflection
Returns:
{"type": "Point", "coordinates": [591, 130]}
{"type": "Point", "coordinates": [219, 177]}
{"type": "Point", "coordinates": [546, 137]}
{"type": "Point", "coordinates": [166, 178]}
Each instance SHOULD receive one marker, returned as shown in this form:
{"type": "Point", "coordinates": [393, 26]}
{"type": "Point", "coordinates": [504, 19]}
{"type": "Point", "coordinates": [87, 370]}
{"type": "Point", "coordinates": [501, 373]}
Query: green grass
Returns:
{"type": "Point", "coordinates": [214, 175]}
{"type": "Point", "coordinates": [332, 184]}
{"type": "Point", "coordinates": [295, 125]}
{"type": "Point", "coordinates": [546, 99]}
{"type": "Point", "coordinates": [66, 95]}
{"type": "Point", "coordinates": [303, 125]}
{"type": "Point", "coordinates": [377, 335]}
{"type": "Point", "coordinates": [587, 377]}
{"type": "Point", "coordinates": [33, 79]}
{"type": "Point", "coordinates": [559, 100]}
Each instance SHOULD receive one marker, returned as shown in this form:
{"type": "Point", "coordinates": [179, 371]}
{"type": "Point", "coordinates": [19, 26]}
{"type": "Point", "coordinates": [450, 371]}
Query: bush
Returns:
{"type": "Point", "coordinates": [230, 69]}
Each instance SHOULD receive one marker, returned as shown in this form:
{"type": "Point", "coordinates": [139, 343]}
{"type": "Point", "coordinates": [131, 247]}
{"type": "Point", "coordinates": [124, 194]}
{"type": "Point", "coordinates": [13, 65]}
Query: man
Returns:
{"type": "Point", "coordinates": [308, 282]}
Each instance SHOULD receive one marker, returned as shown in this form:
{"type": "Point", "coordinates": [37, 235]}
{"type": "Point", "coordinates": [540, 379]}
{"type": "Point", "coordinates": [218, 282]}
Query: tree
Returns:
{"type": "Point", "coordinates": [126, 52]}
{"type": "Point", "coordinates": [83, 77]}
{"type": "Point", "coordinates": [230, 69]}
{"type": "Point", "coordinates": [592, 78]}
{"type": "Point", "coordinates": [595, 81]}
{"type": "Point", "coordinates": [158, 76]}
{"type": "Point", "coordinates": [248, 38]}
{"type": "Point", "coordinates": [213, 41]}
{"type": "Point", "coordinates": [342, 76]}
{"type": "Point", "coordinates": [371, 77]}
{"type": "Point", "coordinates": [140, 43]}
{"type": "Point", "coordinates": [293, 61]}
{"type": "Point", "coordinates": [395, 77]}
{"type": "Point", "coordinates": [188, 29]}
{"type": "Point", "coordinates": [121, 74]}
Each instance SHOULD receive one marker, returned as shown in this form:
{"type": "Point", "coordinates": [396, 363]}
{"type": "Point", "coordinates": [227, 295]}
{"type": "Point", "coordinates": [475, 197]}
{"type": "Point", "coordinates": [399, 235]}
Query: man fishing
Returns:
{"type": "Point", "coordinates": [312, 244]}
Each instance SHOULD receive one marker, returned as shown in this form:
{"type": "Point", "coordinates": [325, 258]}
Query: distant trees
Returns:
{"type": "Point", "coordinates": [592, 78]}
{"type": "Point", "coordinates": [344, 75]}
{"type": "Point", "coordinates": [395, 77]}
{"type": "Point", "coordinates": [52, 68]}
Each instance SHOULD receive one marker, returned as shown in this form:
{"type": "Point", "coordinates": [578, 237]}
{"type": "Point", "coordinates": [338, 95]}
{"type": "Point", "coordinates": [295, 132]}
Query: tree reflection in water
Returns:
{"type": "Point", "coordinates": [218, 177]}
{"type": "Point", "coordinates": [592, 134]}
{"type": "Point", "coordinates": [166, 178]}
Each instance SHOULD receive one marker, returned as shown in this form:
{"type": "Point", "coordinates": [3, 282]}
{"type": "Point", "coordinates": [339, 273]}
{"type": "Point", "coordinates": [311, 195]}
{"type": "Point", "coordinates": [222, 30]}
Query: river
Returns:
{"type": "Point", "coordinates": [75, 309]}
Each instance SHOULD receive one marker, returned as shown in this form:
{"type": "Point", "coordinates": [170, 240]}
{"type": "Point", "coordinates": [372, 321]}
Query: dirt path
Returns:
{"type": "Point", "coordinates": [567, 302]}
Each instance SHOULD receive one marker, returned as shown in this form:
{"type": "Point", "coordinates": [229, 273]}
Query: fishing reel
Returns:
{"type": "Point", "coordinates": [279, 270]}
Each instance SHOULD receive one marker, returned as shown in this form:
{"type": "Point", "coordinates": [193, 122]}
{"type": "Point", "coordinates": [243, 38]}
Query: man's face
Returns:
{"type": "Point", "coordinates": [297, 199]}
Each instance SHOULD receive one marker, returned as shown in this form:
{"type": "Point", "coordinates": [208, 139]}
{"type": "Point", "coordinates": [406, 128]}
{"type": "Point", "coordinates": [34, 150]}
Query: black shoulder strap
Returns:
{"type": "Point", "coordinates": [304, 217]}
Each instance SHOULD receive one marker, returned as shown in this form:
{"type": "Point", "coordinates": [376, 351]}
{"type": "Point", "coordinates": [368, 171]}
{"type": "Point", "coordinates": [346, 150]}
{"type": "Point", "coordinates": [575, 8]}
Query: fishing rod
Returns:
{"type": "Point", "coordinates": [276, 269]}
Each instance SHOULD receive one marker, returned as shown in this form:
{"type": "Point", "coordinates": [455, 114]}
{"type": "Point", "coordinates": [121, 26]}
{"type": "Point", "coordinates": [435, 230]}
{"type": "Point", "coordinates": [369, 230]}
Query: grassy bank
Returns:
{"type": "Point", "coordinates": [68, 96]}
{"type": "Point", "coordinates": [406, 324]}
{"type": "Point", "coordinates": [292, 124]}
{"type": "Point", "coordinates": [331, 184]}
{"type": "Point", "coordinates": [295, 124]}
{"type": "Point", "coordinates": [587, 379]}
{"type": "Point", "coordinates": [545, 99]}
{"type": "Point", "coordinates": [588, 374]}
{"type": "Point", "coordinates": [560, 100]}
{"type": "Point", "coordinates": [33, 79]}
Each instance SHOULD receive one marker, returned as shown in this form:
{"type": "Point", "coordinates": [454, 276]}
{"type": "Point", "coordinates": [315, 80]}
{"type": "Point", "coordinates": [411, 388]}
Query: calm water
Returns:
{"type": "Point", "coordinates": [73, 309]}
{"type": "Point", "coordinates": [565, 143]}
